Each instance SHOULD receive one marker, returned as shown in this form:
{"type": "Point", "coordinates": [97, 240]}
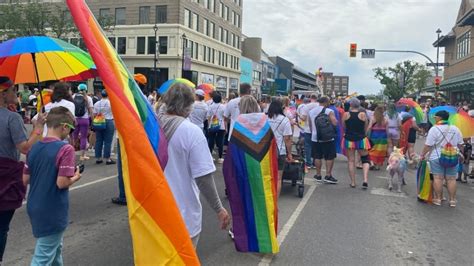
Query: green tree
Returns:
{"type": "Point", "coordinates": [403, 79]}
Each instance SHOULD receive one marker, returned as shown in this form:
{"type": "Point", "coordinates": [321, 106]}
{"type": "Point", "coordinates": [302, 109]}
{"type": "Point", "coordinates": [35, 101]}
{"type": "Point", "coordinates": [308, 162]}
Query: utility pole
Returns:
{"type": "Point", "coordinates": [155, 28]}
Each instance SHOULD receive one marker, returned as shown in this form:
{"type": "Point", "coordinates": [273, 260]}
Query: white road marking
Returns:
{"type": "Point", "coordinates": [87, 184]}
{"type": "Point", "coordinates": [267, 259]}
{"type": "Point", "coordinates": [386, 192]}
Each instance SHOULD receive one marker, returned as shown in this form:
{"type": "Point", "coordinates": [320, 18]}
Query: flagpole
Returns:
{"type": "Point", "coordinates": [33, 55]}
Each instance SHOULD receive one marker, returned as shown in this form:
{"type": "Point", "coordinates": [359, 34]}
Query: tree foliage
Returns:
{"type": "Point", "coordinates": [403, 79]}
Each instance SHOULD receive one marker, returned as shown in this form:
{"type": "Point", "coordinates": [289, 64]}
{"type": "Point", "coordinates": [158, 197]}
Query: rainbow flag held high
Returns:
{"type": "Point", "coordinates": [251, 177]}
{"type": "Point", "coordinates": [159, 234]}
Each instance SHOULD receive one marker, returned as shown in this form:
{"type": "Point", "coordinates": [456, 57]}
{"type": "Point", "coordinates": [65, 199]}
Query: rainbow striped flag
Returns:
{"type": "Point", "coordinates": [423, 182]}
{"type": "Point", "coordinates": [251, 177]}
{"type": "Point", "coordinates": [158, 231]}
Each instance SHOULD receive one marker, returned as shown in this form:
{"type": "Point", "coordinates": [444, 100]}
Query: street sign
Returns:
{"type": "Point", "coordinates": [368, 53]}
{"type": "Point", "coordinates": [439, 64]}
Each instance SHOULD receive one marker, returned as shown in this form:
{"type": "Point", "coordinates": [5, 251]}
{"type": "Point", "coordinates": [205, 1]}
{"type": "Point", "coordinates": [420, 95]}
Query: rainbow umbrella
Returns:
{"type": "Point", "coordinates": [415, 110]}
{"type": "Point", "coordinates": [165, 86]}
{"type": "Point", "coordinates": [458, 118]}
{"type": "Point", "coordinates": [207, 88]}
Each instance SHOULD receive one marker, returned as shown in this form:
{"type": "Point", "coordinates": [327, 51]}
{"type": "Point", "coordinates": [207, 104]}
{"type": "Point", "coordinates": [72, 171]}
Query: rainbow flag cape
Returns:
{"type": "Point", "coordinates": [159, 234]}
{"type": "Point", "coordinates": [251, 177]}
{"type": "Point", "coordinates": [423, 182]}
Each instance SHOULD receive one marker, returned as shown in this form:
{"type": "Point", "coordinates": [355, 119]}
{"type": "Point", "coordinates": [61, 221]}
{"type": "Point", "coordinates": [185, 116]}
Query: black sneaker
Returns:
{"type": "Point", "coordinates": [318, 178]}
{"type": "Point", "coordinates": [330, 180]}
{"type": "Point", "coordinates": [365, 185]}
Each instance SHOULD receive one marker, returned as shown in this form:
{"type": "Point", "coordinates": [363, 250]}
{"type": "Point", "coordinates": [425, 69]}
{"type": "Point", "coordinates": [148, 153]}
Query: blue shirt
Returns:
{"type": "Point", "coordinates": [48, 206]}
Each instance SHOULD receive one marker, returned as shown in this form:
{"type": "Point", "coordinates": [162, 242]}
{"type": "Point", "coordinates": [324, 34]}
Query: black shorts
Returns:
{"type": "Point", "coordinates": [324, 150]}
{"type": "Point", "coordinates": [281, 162]}
{"type": "Point", "coordinates": [412, 136]}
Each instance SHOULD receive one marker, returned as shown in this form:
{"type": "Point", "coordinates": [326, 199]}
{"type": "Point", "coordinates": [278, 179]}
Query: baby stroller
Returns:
{"type": "Point", "coordinates": [293, 172]}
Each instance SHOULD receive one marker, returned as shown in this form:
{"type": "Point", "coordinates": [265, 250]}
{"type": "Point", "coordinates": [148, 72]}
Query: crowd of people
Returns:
{"type": "Point", "coordinates": [365, 133]}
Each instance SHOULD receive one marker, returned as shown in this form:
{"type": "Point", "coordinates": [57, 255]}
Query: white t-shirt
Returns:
{"type": "Point", "coordinates": [188, 158]}
{"type": "Point", "coordinates": [103, 106]}
{"type": "Point", "coordinates": [312, 115]}
{"type": "Point", "coordinates": [305, 111]}
{"type": "Point", "coordinates": [437, 141]}
{"type": "Point", "coordinates": [218, 110]}
{"type": "Point", "coordinates": [281, 126]}
{"type": "Point", "coordinates": [299, 113]}
{"type": "Point", "coordinates": [232, 111]}
{"type": "Point", "coordinates": [199, 114]}
{"type": "Point", "coordinates": [90, 103]}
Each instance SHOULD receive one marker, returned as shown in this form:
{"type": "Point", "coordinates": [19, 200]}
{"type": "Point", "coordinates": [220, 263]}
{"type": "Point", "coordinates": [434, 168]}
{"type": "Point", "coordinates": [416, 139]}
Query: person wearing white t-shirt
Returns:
{"type": "Point", "coordinates": [190, 167]}
{"type": "Point", "coordinates": [232, 108]}
{"type": "Point", "coordinates": [61, 97]}
{"type": "Point", "coordinates": [281, 127]}
{"type": "Point", "coordinates": [82, 118]}
{"type": "Point", "coordinates": [104, 137]}
{"type": "Point", "coordinates": [217, 126]}
{"type": "Point", "coordinates": [438, 136]}
{"type": "Point", "coordinates": [307, 131]}
{"type": "Point", "coordinates": [200, 109]}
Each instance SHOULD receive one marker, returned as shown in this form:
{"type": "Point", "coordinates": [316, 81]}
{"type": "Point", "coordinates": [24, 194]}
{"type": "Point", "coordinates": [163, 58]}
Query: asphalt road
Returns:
{"type": "Point", "coordinates": [331, 225]}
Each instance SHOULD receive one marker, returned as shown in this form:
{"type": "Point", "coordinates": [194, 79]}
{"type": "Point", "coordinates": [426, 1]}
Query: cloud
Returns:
{"type": "Point", "coordinates": [318, 32]}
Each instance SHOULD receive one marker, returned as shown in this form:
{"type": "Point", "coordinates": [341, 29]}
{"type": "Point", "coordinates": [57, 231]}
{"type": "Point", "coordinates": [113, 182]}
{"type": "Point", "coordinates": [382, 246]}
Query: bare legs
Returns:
{"type": "Point", "coordinates": [351, 165]}
{"type": "Point", "coordinates": [438, 188]}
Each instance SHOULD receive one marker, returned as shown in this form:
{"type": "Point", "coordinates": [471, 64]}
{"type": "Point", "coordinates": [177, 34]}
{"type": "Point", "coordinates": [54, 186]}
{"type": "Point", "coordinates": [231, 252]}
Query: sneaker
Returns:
{"type": "Point", "coordinates": [119, 201]}
{"type": "Point", "coordinates": [231, 233]}
{"type": "Point", "coordinates": [330, 180]}
{"type": "Point", "coordinates": [109, 162]}
{"type": "Point", "coordinates": [365, 185]}
{"type": "Point", "coordinates": [220, 160]}
{"type": "Point", "coordinates": [318, 178]}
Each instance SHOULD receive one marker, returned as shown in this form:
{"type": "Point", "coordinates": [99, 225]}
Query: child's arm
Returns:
{"type": "Point", "coordinates": [26, 179]}
{"type": "Point", "coordinates": [68, 173]}
{"type": "Point", "coordinates": [64, 182]}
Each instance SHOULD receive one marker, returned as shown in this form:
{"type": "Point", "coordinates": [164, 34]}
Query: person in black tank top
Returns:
{"type": "Point", "coordinates": [355, 128]}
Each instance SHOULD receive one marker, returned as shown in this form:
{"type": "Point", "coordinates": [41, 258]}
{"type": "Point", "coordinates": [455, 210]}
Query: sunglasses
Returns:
{"type": "Point", "coordinates": [68, 125]}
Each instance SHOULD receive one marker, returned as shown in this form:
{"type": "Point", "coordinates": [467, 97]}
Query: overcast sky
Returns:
{"type": "Point", "coordinates": [317, 33]}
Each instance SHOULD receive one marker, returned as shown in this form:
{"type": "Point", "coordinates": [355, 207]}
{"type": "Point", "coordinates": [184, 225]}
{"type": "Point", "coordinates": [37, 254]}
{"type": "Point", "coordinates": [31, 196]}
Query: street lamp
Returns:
{"type": "Point", "coordinates": [183, 59]}
{"type": "Point", "coordinates": [155, 29]}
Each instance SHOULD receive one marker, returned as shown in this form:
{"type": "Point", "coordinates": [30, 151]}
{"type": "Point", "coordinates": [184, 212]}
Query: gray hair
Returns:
{"type": "Point", "coordinates": [179, 100]}
{"type": "Point", "coordinates": [354, 103]}
{"type": "Point", "coordinates": [248, 105]}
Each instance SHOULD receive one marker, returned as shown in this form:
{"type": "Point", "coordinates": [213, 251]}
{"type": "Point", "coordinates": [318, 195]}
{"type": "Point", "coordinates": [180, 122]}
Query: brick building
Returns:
{"type": "Point", "coordinates": [335, 85]}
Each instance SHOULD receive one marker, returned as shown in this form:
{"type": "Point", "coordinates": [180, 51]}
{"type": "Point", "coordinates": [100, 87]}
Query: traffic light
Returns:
{"type": "Point", "coordinates": [353, 50]}
{"type": "Point", "coordinates": [437, 81]}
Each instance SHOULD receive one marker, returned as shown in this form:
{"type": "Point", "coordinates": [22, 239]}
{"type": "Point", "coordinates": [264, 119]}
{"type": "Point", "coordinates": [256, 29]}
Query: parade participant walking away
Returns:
{"type": "Point", "coordinates": [50, 170]}
{"type": "Point", "coordinates": [83, 111]}
{"type": "Point", "coordinates": [152, 98]}
{"type": "Point", "coordinates": [466, 152]}
{"type": "Point", "coordinates": [61, 97]}
{"type": "Point", "coordinates": [104, 136]}
{"type": "Point", "coordinates": [441, 151]}
{"type": "Point", "coordinates": [355, 126]}
{"type": "Point", "coordinates": [377, 132]}
{"type": "Point", "coordinates": [307, 131]}
{"type": "Point", "coordinates": [217, 126]}
{"type": "Point", "coordinates": [13, 141]}
{"type": "Point", "coordinates": [288, 112]}
{"type": "Point", "coordinates": [323, 125]}
{"type": "Point", "coordinates": [251, 178]}
{"type": "Point", "coordinates": [281, 127]}
{"type": "Point", "coordinates": [393, 127]}
{"type": "Point", "coordinates": [200, 110]}
{"type": "Point", "coordinates": [232, 108]}
{"type": "Point", "coordinates": [424, 123]}
{"type": "Point", "coordinates": [190, 167]}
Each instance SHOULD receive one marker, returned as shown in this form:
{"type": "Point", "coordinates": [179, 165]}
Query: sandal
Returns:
{"type": "Point", "coordinates": [452, 203]}
{"type": "Point", "coordinates": [352, 186]}
{"type": "Point", "coordinates": [437, 202]}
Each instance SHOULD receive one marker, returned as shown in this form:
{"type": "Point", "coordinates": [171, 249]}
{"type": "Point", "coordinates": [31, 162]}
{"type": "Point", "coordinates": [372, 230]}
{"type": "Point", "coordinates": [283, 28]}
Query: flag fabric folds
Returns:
{"type": "Point", "coordinates": [158, 231]}
{"type": "Point", "coordinates": [251, 177]}
{"type": "Point", "coordinates": [423, 182]}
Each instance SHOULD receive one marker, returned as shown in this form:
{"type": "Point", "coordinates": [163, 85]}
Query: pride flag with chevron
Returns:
{"type": "Point", "coordinates": [251, 178]}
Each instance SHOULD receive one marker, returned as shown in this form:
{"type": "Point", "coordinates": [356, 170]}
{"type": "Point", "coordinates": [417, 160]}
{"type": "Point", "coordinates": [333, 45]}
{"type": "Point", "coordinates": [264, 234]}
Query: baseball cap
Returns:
{"type": "Point", "coordinates": [82, 87]}
{"type": "Point", "coordinates": [5, 83]}
{"type": "Point", "coordinates": [444, 115]}
{"type": "Point", "coordinates": [200, 92]}
{"type": "Point", "coordinates": [361, 97]}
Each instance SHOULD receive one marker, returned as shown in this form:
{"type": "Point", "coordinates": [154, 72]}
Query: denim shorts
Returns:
{"type": "Point", "coordinates": [437, 169]}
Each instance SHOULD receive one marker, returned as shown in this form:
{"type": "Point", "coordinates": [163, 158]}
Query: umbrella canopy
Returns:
{"type": "Point", "coordinates": [207, 88]}
{"type": "Point", "coordinates": [165, 86]}
{"type": "Point", "coordinates": [415, 110]}
{"type": "Point", "coordinates": [40, 58]}
{"type": "Point", "coordinates": [458, 118]}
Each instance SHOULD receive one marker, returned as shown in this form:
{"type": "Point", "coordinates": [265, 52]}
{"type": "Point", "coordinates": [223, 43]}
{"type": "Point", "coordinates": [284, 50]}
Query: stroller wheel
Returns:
{"type": "Point", "coordinates": [300, 191]}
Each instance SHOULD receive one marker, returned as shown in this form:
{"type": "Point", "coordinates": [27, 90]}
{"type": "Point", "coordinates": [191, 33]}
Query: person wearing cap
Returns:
{"type": "Point", "coordinates": [13, 141]}
{"type": "Point", "coordinates": [83, 108]}
{"type": "Point", "coordinates": [104, 138]}
{"type": "Point", "coordinates": [438, 136]}
{"type": "Point", "coordinates": [200, 109]}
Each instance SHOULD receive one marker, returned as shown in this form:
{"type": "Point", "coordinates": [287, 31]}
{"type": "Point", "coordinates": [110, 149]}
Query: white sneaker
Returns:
{"type": "Point", "coordinates": [220, 160]}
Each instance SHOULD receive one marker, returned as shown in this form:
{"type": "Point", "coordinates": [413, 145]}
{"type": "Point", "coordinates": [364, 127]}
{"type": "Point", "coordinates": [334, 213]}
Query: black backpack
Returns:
{"type": "Point", "coordinates": [80, 105]}
{"type": "Point", "coordinates": [325, 130]}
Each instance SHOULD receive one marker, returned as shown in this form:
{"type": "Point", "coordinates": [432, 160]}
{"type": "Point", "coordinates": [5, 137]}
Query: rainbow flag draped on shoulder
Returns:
{"type": "Point", "coordinates": [251, 177]}
{"type": "Point", "coordinates": [158, 231]}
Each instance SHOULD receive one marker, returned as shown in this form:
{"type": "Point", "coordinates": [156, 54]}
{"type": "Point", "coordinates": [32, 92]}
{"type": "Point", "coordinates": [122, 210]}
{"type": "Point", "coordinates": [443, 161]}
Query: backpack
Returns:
{"type": "Point", "coordinates": [214, 125]}
{"type": "Point", "coordinates": [80, 105]}
{"type": "Point", "coordinates": [448, 157]}
{"type": "Point", "coordinates": [325, 130]}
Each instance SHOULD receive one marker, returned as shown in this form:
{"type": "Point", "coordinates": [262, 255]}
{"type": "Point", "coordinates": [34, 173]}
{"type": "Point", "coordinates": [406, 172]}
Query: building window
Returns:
{"type": "Point", "coordinates": [221, 9]}
{"type": "Point", "coordinates": [195, 22]}
{"type": "Point", "coordinates": [205, 27]}
{"type": "Point", "coordinates": [163, 42]}
{"type": "Point", "coordinates": [121, 45]}
{"type": "Point", "coordinates": [120, 16]}
{"type": "Point", "coordinates": [256, 75]}
{"type": "Point", "coordinates": [232, 18]}
{"type": "Point", "coordinates": [221, 34]}
{"type": "Point", "coordinates": [225, 39]}
{"type": "Point", "coordinates": [151, 45]}
{"type": "Point", "coordinates": [238, 42]}
{"type": "Point", "coordinates": [140, 45]}
{"type": "Point", "coordinates": [212, 5]}
{"type": "Point", "coordinates": [104, 12]}
{"type": "Point", "coordinates": [464, 45]}
{"type": "Point", "coordinates": [212, 30]}
{"type": "Point", "coordinates": [187, 18]}
{"type": "Point", "coordinates": [111, 40]}
{"type": "Point", "coordinates": [144, 15]}
{"type": "Point", "coordinates": [232, 40]}
{"type": "Point", "coordinates": [195, 50]}
{"type": "Point", "coordinates": [226, 13]}
{"type": "Point", "coordinates": [162, 14]}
